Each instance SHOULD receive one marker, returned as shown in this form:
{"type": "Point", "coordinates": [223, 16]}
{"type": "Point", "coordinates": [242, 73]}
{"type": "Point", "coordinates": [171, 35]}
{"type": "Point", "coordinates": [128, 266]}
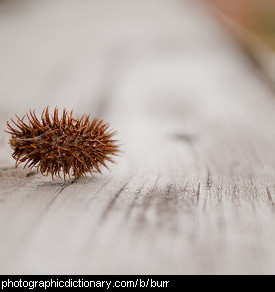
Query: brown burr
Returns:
{"type": "Point", "coordinates": [63, 145]}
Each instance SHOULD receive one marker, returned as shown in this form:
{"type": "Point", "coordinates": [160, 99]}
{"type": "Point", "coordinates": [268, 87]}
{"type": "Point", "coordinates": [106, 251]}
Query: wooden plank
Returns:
{"type": "Point", "coordinates": [193, 189]}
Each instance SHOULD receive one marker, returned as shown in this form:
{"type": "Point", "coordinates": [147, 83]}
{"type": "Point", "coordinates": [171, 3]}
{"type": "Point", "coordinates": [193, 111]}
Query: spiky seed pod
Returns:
{"type": "Point", "coordinates": [61, 145]}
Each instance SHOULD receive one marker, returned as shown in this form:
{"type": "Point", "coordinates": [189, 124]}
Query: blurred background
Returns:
{"type": "Point", "coordinates": [88, 54]}
{"type": "Point", "coordinates": [257, 16]}
{"type": "Point", "coordinates": [252, 24]}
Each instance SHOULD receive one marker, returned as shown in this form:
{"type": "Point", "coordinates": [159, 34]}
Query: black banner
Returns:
{"type": "Point", "coordinates": [107, 282]}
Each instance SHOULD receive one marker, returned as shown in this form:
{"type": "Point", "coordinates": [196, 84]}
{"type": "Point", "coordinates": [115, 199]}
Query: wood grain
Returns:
{"type": "Point", "coordinates": [192, 191]}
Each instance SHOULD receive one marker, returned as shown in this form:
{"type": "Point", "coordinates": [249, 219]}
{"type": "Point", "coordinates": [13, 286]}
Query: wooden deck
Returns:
{"type": "Point", "coordinates": [193, 190]}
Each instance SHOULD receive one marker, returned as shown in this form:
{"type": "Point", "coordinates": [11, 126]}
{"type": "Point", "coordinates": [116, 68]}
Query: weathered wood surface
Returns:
{"type": "Point", "coordinates": [193, 190]}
